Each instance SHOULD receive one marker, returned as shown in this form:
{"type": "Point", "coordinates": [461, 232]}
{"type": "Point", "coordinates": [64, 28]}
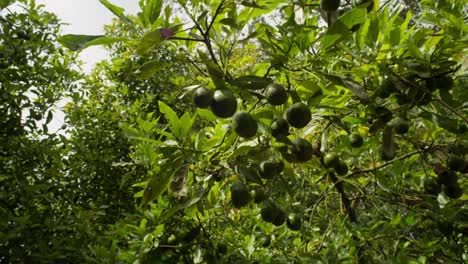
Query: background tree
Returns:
{"type": "Point", "coordinates": [36, 223]}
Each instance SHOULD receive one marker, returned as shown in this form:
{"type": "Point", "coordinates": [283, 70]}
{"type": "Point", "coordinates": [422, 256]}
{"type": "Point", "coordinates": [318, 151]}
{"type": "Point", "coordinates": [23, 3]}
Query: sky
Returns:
{"type": "Point", "coordinates": [87, 17]}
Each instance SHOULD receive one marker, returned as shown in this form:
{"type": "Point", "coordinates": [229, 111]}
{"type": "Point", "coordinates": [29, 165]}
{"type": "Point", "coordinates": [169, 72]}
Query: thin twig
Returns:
{"type": "Point", "coordinates": [384, 165]}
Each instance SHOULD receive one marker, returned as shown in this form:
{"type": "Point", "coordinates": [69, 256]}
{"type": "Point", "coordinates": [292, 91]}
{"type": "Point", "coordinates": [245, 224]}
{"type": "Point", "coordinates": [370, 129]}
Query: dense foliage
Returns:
{"type": "Point", "coordinates": [238, 132]}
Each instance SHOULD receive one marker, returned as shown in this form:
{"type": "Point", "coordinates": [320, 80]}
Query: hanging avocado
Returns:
{"type": "Point", "coordinates": [202, 97]}
{"type": "Point", "coordinates": [298, 115]}
{"type": "Point", "coordinates": [244, 125]}
{"type": "Point", "coordinates": [240, 195]}
{"type": "Point", "coordinates": [224, 103]}
{"type": "Point", "coordinates": [276, 94]}
{"type": "Point", "coordinates": [329, 5]}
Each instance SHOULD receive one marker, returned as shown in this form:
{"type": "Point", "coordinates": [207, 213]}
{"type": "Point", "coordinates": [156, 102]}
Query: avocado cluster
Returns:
{"type": "Point", "coordinates": [273, 213]}
{"type": "Point", "coordinates": [223, 104]}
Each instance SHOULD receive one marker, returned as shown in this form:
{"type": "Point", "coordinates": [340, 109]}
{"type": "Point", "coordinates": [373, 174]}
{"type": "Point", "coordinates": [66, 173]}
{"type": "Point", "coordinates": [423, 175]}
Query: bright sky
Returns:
{"type": "Point", "coordinates": [87, 17]}
{"type": "Point", "coordinates": [84, 17]}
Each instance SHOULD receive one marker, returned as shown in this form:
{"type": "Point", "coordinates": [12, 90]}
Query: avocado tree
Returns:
{"type": "Point", "coordinates": [326, 131]}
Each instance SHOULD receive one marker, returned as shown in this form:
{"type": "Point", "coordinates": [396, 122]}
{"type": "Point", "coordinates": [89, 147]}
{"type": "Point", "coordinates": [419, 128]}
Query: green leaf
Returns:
{"type": "Point", "coordinates": [350, 84]}
{"type": "Point", "coordinates": [148, 69]}
{"type": "Point", "coordinates": [77, 42]}
{"type": "Point", "coordinates": [394, 37]}
{"type": "Point", "coordinates": [5, 3]}
{"type": "Point", "coordinates": [229, 22]}
{"type": "Point", "coordinates": [156, 186]}
{"type": "Point", "coordinates": [185, 124]}
{"type": "Point", "coordinates": [362, 34]}
{"type": "Point", "coordinates": [151, 10]}
{"type": "Point", "coordinates": [170, 116]}
{"type": "Point", "coordinates": [116, 10]}
{"type": "Point", "coordinates": [149, 40]}
{"type": "Point", "coordinates": [336, 33]}
{"type": "Point", "coordinates": [49, 117]}
{"type": "Point", "coordinates": [200, 193]}
{"type": "Point", "coordinates": [442, 121]}
{"type": "Point", "coordinates": [355, 16]}
{"type": "Point", "coordinates": [252, 82]}
{"type": "Point", "coordinates": [340, 29]}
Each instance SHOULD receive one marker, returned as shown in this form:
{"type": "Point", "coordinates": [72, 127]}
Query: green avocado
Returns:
{"type": "Point", "coordinates": [298, 115]}
{"type": "Point", "coordinates": [240, 195]}
{"type": "Point", "coordinates": [202, 97]}
{"type": "Point", "coordinates": [224, 103]}
{"type": "Point", "coordinates": [275, 94]}
{"type": "Point", "coordinates": [244, 125]}
{"type": "Point", "coordinates": [329, 5]}
{"type": "Point", "coordinates": [302, 149]}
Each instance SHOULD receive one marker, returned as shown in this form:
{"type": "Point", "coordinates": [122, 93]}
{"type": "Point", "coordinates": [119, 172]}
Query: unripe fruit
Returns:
{"type": "Point", "coordinates": [341, 168]}
{"type": "Point", "coordinates": [456, 163]}
{"type": "Point", "coordinates": [331, 160]}
{"type": "Point", "coordinates": [244, 125]}
{"type": "Point", "coordinates": [302, 149]}
{"type": "Point", "coordinates": [270, 168]}
{"type": "Point", "coordinates": [224, 103]}
{"type": "Point", "coordinates": [269, 212]}
{"type": "Point", "coordinates": [294, 222]}
{"type": "Point", "coordinates": [298, 115]}
{"type": "Point", "coordinates": [280, 217]}
{"type": "Point", "coordinates": [222, 247]}
{"type": "Point", "coordinates": [432, 186]}
{"type": "Point", "coordinates": [275, 94]}
{"type": "Point", "coordinates": [202, 97]}
{"type": "Point", "coordinates": [401, 125]}
{"type": "Point", "coordinates": [329, 5]}
{"type": "Point", "coordinates": [453, 191]}
{"type": "Point", "coordinates": [448, 178]}
{"type": "Point", "coordinates": [240, 195]}
{"type": "Point", "coordinates": [279, 127]}
{"type": "Point", "coordinates": [259, 196]}
{"type": "Point", "coordinates": [356, 140]}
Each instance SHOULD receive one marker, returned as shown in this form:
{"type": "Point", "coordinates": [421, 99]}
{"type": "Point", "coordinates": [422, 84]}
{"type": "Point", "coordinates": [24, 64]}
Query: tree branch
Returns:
{"type": "Point", "coordinates": [188, 39]}
{"type": "Point", "coordinates": [383, 165]}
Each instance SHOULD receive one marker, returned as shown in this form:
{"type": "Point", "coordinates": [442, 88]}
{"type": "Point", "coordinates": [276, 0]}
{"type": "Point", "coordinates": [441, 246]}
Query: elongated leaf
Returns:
{"type": "Point", "coordinates": [151, 10]}
{"type": "Point", "coordinates": [200, 193]}
{"type": "Point", "coordinates": [170, 115]}
{"type": "Point", "coordinates": [337, 32]}
{"type": "Point", "coordinates": [185, 124]}
{"type": "Point", "coordinates": [161, 181]}
{"type": "Point", "coordinates": [355, 16]}
{"type": "Point", "coordinates": [350, 84]}
{"type": "Point", "coordinates": [156, 186]}
{"type": "Point", "coordinates": [148, 69]}
{"type": "Point", "coordinates": [442, 121]}
{"type": "Point", "coordinates": [77, 42]}
{"type": "Point", "coordinates": [154, 37]}
{"type": "Point", "coordinates": [252, 82]}
{"type": "Point", "coordinates": [116, 10]}
{"type": "Point", "coordinates": [340, 29]}
{"type": "Point", "coordinates": [49, 117]}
